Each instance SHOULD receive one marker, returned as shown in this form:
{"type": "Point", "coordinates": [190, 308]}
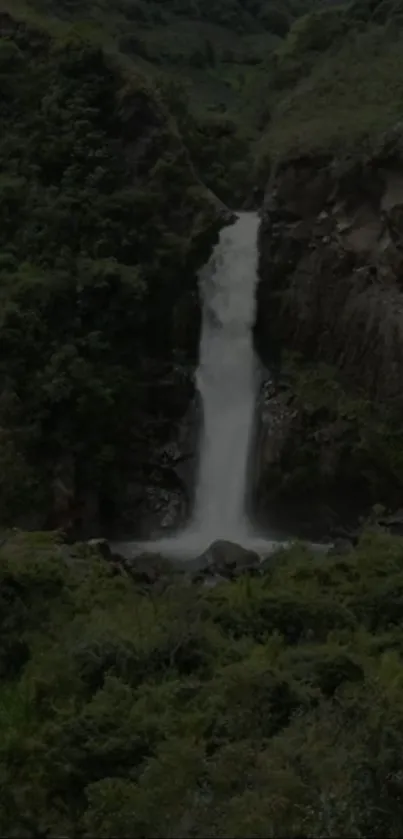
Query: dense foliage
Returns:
{"type": "Point", "coordinates": [103, 223]}
{"type": "Point", "coordinates": [210, 51]}
{"type": "Point", "coordinates": [270, 706]}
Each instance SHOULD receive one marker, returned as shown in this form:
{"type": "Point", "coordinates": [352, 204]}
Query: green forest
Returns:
{"type": "Point", "coordinates": [270, 705]}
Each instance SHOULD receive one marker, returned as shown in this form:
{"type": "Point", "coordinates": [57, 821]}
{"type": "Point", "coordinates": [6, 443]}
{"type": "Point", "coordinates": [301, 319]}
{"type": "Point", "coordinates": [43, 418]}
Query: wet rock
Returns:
{"type": "Point", "coordinates": [164, 509]}
{"type": "Point", "coordinates": [227, 560]}
{"type": "Point", "coordinates": [63, 486]}
{"type": "Point", "coordinates": [225, 215]}
{"type": "Point", "coordinates": [393, 522]}
{"type": "Point", "coordinates": [156, 495]}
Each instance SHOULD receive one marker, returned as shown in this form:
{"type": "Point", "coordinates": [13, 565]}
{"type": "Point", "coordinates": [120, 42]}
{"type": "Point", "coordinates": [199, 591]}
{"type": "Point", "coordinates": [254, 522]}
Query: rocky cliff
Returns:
{"type": "Point", "coordinates": [332, 266]}
{"type": "Point", "coordinates": [331, 293]}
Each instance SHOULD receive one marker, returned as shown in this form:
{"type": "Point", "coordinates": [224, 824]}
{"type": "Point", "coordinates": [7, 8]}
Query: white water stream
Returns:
{"type": "Point", "coordinates": [227, 383]}
{"type": "Point", "coordinates": [226, 380]}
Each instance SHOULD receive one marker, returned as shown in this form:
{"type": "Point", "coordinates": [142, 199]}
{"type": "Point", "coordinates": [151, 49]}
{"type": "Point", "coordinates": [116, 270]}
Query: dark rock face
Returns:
{"type": "Point", "coordinates": [157, 495]}
{"type": "Point", "coordinates": [304, 480]}
{"type": "Point", "coordinates": [330, 290]}
{"type": "Point", "coordinates": [331, 267]}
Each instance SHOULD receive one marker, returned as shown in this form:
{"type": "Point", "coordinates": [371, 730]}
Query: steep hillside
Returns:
{"type": "Point", "coordinates": [103, 225]}
{"type": "Point", "coordinates": [204, 54]}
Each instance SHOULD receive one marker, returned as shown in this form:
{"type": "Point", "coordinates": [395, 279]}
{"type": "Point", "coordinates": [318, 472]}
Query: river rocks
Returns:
{"type": "Point", "coordinates": [225, 560]}
{"type": "Point", "coordinates": [222, 561]}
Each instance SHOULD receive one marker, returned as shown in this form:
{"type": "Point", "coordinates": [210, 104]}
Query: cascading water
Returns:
{"type": "Point", "coordinates": [227, 381]}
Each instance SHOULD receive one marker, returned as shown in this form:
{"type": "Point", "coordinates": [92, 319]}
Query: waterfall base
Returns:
{"type": "Point", "coordinates": [191, 543]}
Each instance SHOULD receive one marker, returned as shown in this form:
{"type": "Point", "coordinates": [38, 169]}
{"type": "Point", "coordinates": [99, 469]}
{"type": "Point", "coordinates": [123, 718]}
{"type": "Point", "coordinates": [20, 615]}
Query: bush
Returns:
{"type": "Point", "coordinates": [266, 706]}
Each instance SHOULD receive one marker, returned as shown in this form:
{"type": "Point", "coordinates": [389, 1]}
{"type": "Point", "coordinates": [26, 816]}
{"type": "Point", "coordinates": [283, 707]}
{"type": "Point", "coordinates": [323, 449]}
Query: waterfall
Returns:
{"type": "Point", "coordinates": [227, 384]}
{"type": "Point", "coordinates": [226, 380]}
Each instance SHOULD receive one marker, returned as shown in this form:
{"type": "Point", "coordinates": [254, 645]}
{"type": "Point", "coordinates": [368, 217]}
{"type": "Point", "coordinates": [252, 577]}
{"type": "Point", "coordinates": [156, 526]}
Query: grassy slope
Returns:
{"type": "Point", "coordinates": [341, 94]}
{"type": "Point", "coordinates": [349, 96]}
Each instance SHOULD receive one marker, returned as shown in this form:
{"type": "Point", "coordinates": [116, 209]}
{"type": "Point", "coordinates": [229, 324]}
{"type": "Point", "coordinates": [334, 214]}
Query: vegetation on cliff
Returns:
{"type": "Point", "coordinates": [106, 167]}
{"type": "Point", "coordinates": [337, 452]}
{"type": "Point", "coordinates": [217, 43]}
{"type": "Point", "coordinates": [103, 225]}
{"type": "Point", "coordinates": [203, 56]}
{"type": "Point", "coordinates": [270, 706]}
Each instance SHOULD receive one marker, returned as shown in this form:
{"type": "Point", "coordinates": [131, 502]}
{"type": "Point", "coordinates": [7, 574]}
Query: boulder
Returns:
{"type": "Point", "coordinates": [227, 559]}
{"type": "Point", "coordinates": [393, 523]}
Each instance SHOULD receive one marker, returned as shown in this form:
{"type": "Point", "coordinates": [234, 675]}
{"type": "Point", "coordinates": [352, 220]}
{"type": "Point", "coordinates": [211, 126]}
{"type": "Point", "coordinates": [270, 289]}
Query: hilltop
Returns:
{"type": "Point", "coordinates": [213, 48]}
{"type": "Point", "coordinates": [335, 84]}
